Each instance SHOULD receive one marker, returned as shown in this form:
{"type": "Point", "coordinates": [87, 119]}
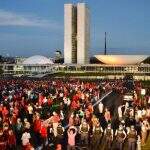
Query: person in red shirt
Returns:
{"type": "Point", "coordinates": [2, 140]}
{"type": "Point", "coordinates": [55, 120]}
{"type": "Point", "coordinates": [5, 113]}
{"type": "Point", "coordinates": [90, 108]}
{"type": "Point", "coordinates": [28, 147]}
{"type": "Point", "coordinates": [75, 105]}
{"type": "Point", "coordinates": [37, 124]}
{"type": "Point", "coordinates": [50, 101]}
{"type": "Point", "coordinates": [6, 130]}
{"type": "Point", "coordinates": [11, 140]}
{"type": "Point", "coordinates": [58, 147]}
{"type": "Point", "coordinates": [41, 97]}
{"type": "Point", "coordinates": [37, 127]}
{"type": "Point", "coordinates": [87, 115]}
{"type": "Point", "coordinates": [107, 115]}
{"type": "Point", "coordinates": [43, 132]}
{"type": "Point", "coordinates": [16, 111]}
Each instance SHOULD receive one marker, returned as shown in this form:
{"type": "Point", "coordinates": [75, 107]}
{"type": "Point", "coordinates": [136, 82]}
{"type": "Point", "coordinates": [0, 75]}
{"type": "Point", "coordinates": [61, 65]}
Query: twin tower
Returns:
{"type": "Point", "coordinates": [76, 34]}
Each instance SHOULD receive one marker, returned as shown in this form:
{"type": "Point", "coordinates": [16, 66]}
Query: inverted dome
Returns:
{"type": "Point", "coordinates": [121, 59]}
{"type": "Point", "coordinates": [37, 60]}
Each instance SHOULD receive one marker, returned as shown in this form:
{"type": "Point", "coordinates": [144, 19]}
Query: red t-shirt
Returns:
{"type": "Point", "coordinates": [43, 132]}
{"type": "Point", "coordinates": [37, 125]}
{"type": "Point", "coordinates": [11, 139]}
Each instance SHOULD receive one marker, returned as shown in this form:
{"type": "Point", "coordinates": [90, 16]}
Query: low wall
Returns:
{"type": "Point", "coordinates": [144, 78]}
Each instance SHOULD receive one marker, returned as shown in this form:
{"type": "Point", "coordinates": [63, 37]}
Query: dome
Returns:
{"type": "Point", "coordinates": [37, 60]}
{"type": "Point", "coordinates": [121, 59]}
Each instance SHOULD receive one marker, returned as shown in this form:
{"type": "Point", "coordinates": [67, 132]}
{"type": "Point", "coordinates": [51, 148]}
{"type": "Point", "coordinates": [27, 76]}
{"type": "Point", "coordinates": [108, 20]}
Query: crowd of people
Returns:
{"type": "Point", "coordinates": [70, 114]}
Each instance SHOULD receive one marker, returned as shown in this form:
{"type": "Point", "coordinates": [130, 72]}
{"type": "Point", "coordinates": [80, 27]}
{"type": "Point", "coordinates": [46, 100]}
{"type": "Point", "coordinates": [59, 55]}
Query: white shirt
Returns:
{"type": "Point", "coordinates": [61, 94]}
{"type": "Point", "coordinates": [139, 113]}
{"type": "Point", "coordinates": [29, 93]}
{"type": "Point", "coordinates": [45, 100]}
{"type": "Point", "coordinates": [25, 138]}
{"type": "Point", "coordinates": [148, 112]}
{"type": "Point", "coordinates": [143, 112]}
{"type": "Point", "coordinates": [30, 109]}
{"type": "Point", "coordinates": [82, 96]}
{"type": "Point", "coordinates": [68, 101]}
{"type": "Point", "coordinates": [101, 107]}
{"type": "Point", "coordinates": [65, 100]}
{"type": "Point", "coordinates": [149, 100]}
{"type": "Point", "coordinates": [132, 112]}
{"type": "Point", "coordinates": [62, 115]}
{"type": "Point", "coordinates": [120, 111]}
{"type": "Point", "coordinates": [143, 128]}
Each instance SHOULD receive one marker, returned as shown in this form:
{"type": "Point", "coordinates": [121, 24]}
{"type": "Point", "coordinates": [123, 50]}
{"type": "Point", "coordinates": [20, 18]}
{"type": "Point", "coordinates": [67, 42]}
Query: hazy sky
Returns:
{"type": "Point", "coordinates": [29, 27]}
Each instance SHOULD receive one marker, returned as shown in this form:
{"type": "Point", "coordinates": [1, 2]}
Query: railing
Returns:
{"type": "Point", "coordinates": [106, 69]}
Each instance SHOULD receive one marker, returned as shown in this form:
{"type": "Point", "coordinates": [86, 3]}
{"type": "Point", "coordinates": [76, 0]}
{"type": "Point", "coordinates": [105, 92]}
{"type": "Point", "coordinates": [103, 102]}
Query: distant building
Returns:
{"type": "Point", "coordinates": [76, 34]}
{"type": "Point", "coordinates": [19, 60]}
{"type": "Point", "coordinates": [7, 60]}
{"type": "Point", "coordinates": [121, 59]}
{"type": "Point", "coordinates": [58, 55]}
{"type": "Point", "coordinates": [33, 65]}
{"type": "Point", "coordinates": [58, 58]}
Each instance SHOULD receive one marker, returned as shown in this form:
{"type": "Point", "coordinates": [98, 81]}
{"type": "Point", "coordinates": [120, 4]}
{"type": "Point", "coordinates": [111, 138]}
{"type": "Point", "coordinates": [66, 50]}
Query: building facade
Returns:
{"type": "Point", "coordinates": [83, 34]}
{"type": "Point", "coordinates": [76, 33]}
{"type": "Point", "coordinates": [99, 71]}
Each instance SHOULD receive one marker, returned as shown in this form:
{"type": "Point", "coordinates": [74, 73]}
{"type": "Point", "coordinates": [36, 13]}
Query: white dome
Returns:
{"type": "Point", "coordinates": [121, 59]}
{"type": "Point", "coordinates": [37, 60]}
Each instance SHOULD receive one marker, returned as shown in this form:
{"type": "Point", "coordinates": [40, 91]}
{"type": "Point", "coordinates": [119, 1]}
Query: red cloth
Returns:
{"type": "Point", "coordinates": [13, 119]}
{"type": "Point", "coordinates": [43, 132]}
{"type": "Point", "coordinates": [74, 105]}
{"type": "Point", "coordinates": [16, 111]}
{"type": "Point", "coordinates": [37, 125]}
{"type": "Point", "coordinates": [41, 97]}
{"type": "Point", "coordinates": [107, 116]}
{"type": "Point", "coordinates": [87, 113]}
{"type": "Point", "coordinates": [49, 102]}
{"type": "Point", "coordinates": [11, 140]}
{"type": "Point", "coordinates": [27, 147]}
{"type": "Point", "coordinates": [5, 112]}
{"type": "Point", "coordinates": [2, 143]}
{"type": "Point", "coordinates": [75, 98]}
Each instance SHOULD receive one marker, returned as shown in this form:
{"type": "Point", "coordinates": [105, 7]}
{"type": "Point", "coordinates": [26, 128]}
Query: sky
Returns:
{"type": "Point", "coordinates": [36, 27]}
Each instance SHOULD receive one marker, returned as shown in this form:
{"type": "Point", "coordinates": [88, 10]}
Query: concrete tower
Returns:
{"type": "Point", "coordinates": [76, 33]}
